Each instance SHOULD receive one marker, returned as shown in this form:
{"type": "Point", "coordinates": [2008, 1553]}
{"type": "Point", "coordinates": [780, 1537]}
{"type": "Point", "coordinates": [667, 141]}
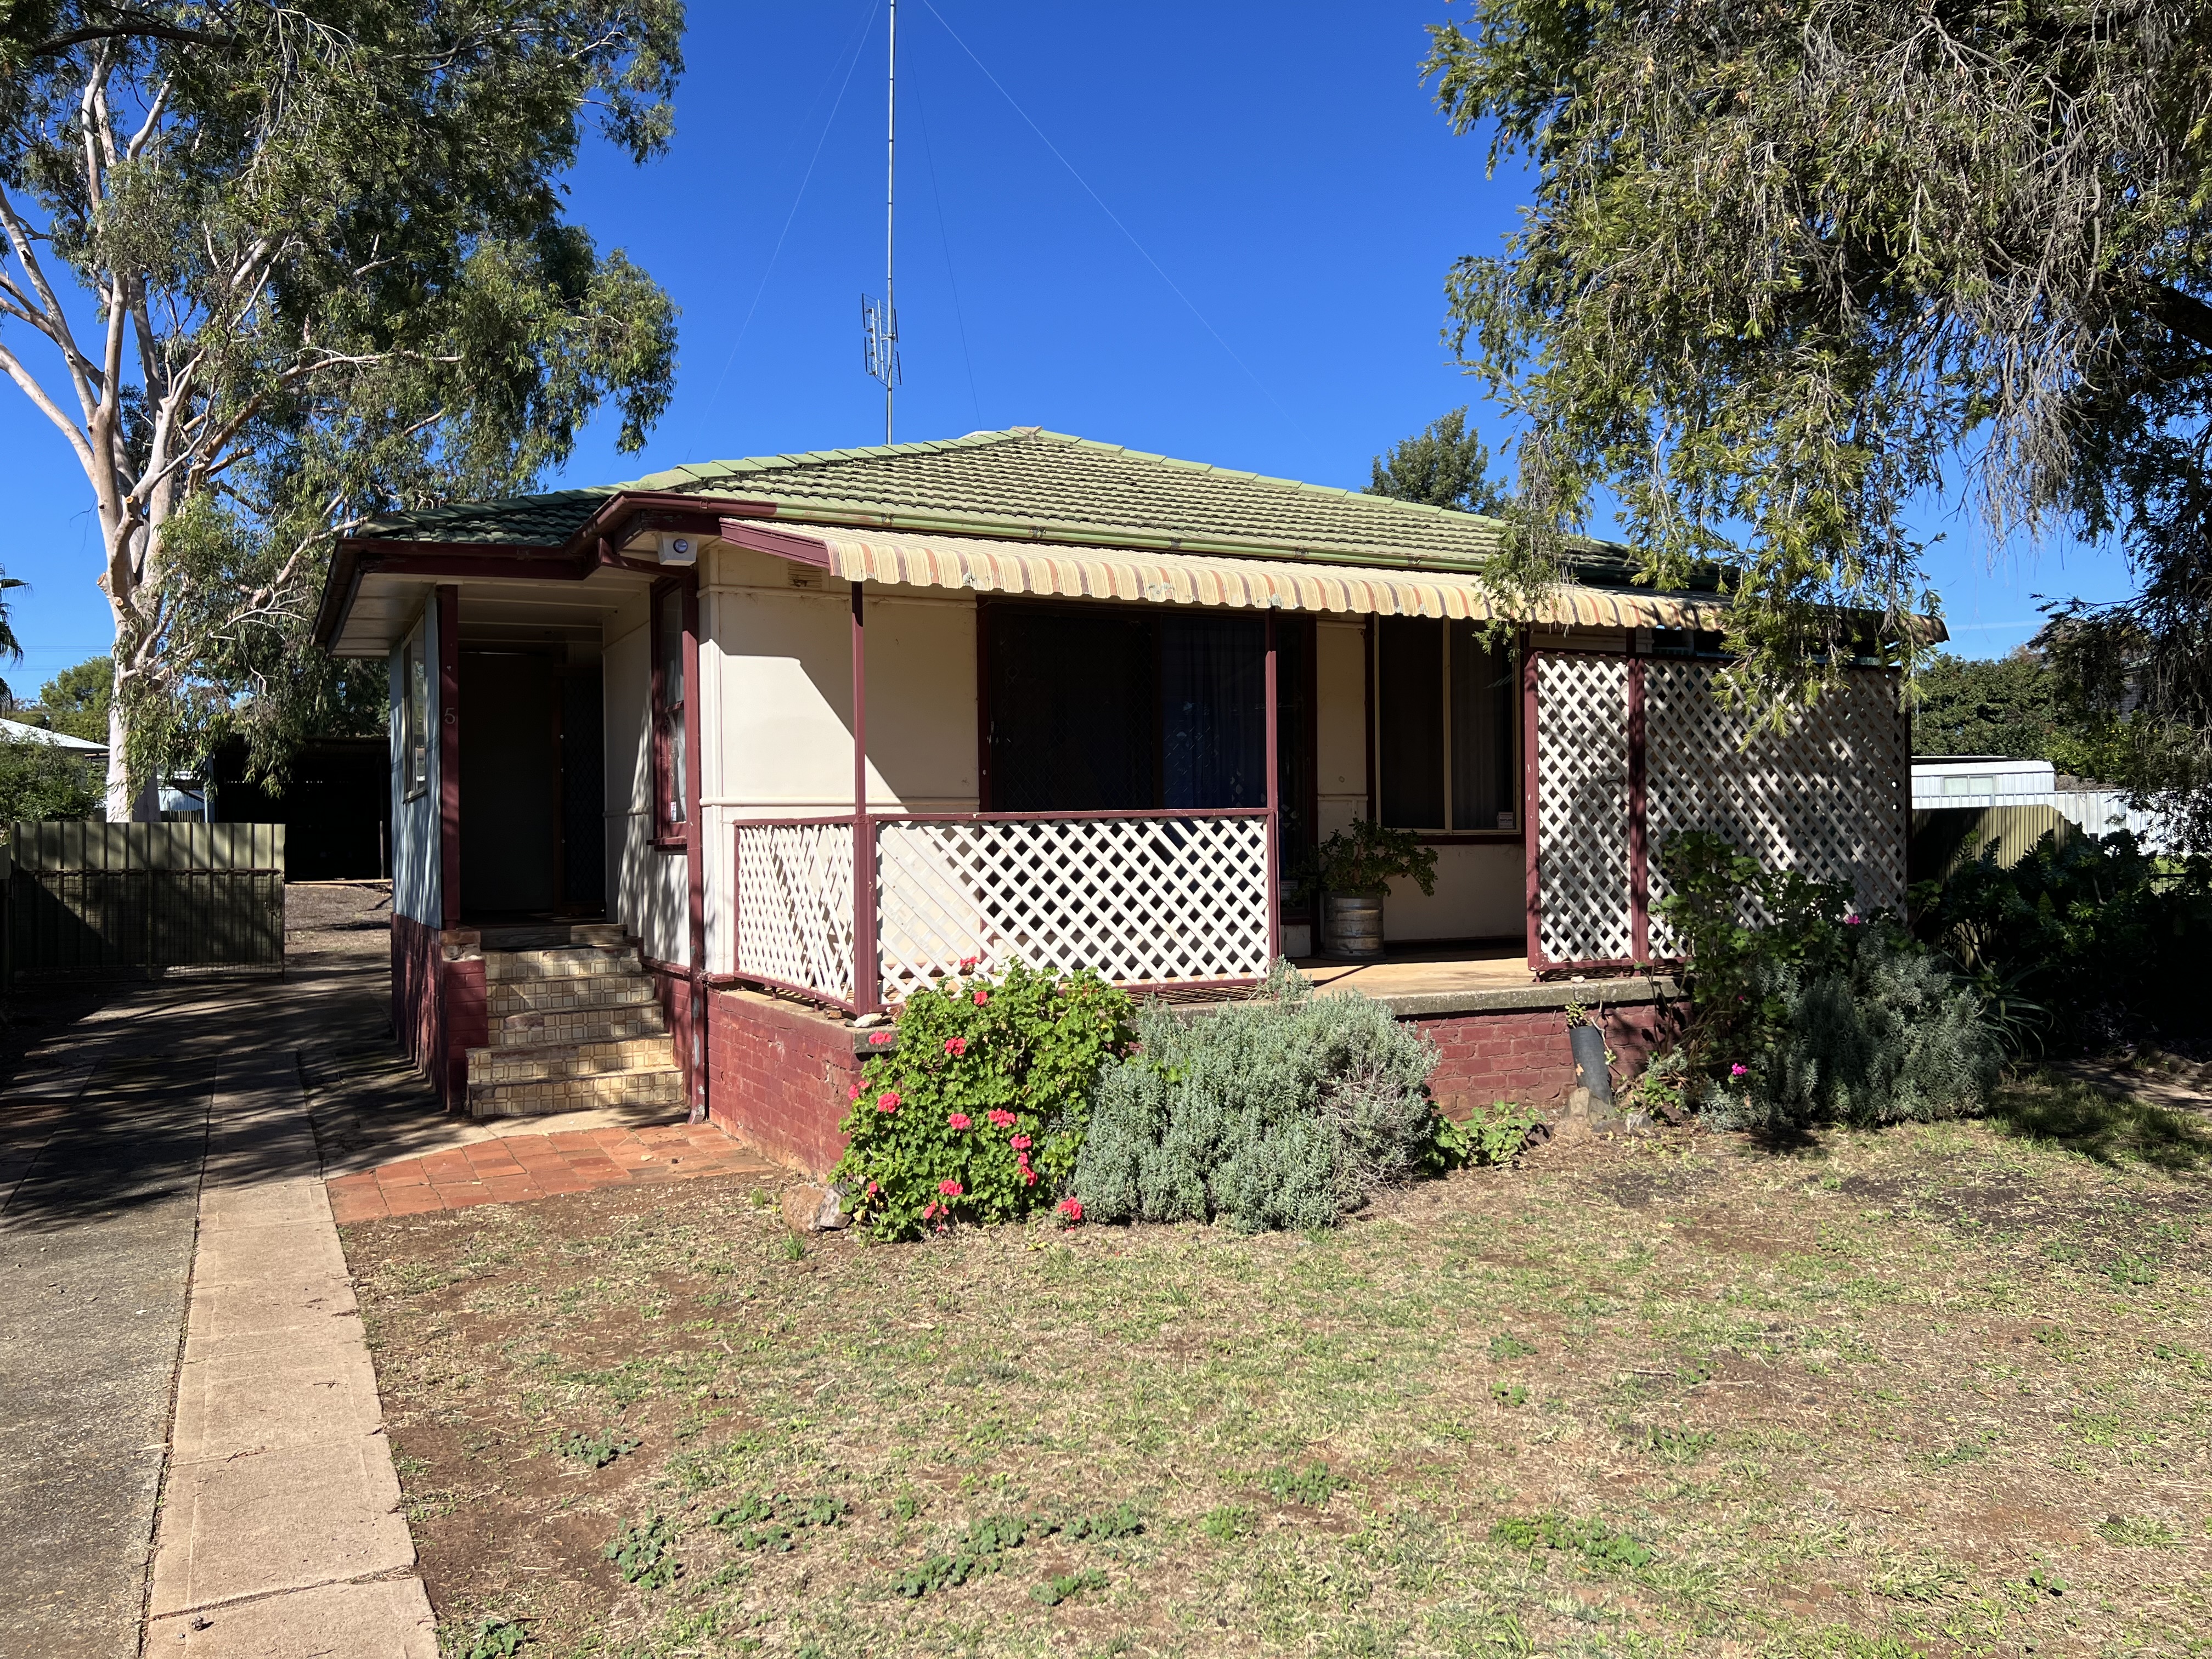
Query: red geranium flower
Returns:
{"type": "Point", "coordinates": [1072, 1208]}
{"type": "Point", "coordinates": [1020, 1143]}
{"type": "Point", "coordinates": [949, 1188]}
{"type": "Point", "coordinates": [968, 963]}
{"type": "Point", "coordinates": [888, 1101]}
{"type": "Point", "coordinates": [959, 1121]}
{"type": "Point", "coordinates": [1000, 1120]}
{"type": "Point", "coordinates": [956, 1046]}
{"type": "Point", "coordinates": [879, 1038]}
{"type": "Point", "coordinates": [982, 997]}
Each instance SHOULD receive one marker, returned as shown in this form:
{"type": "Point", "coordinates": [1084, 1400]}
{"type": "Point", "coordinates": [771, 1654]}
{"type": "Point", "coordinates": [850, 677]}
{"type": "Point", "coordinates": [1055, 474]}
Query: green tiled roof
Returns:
{"type": "Point", "coordinates": [1023, 481]}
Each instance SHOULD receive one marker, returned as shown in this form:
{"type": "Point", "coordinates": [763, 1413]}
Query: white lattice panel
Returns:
{"type": "Point", "coordinates": [1139, 900]}
{"type": "Point", "coordinates": [795, 905]}
{"type": "Point", "coordinates": [1582, 807]}
{"type": "Point", "coordinates": [1822, 799]}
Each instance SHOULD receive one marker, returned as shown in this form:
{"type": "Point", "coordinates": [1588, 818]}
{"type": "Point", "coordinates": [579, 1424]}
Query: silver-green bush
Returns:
{"type": "Point", "coordinates": [1884, 1035]}
{"type": "Point", "coordinates": [1289, 1110]}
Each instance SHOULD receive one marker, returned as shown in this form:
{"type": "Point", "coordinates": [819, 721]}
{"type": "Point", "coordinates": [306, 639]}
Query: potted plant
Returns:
{"type": "Point", "coordinates": [1353, 869]}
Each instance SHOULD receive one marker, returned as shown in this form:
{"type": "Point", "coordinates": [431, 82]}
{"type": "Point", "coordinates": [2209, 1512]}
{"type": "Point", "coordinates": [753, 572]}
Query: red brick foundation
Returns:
{"type": "Point", "coordinates": [441, 1007]}
{"type": "Point", "coordinates": [1522, 1054]}
{"type": "Point", "coordinates": [780, 1077]}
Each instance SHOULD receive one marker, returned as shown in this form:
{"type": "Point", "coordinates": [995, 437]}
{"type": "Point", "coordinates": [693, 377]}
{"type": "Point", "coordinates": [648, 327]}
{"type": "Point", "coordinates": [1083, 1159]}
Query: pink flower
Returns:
{"type": "Point", "coordinates": [855, 1095]}
{"type": "Point", "coordinates": [1739, 1070]}
{"type": "Point", "coordinates": [1000, 1120]}
{"type": "Point", "coordinates": [888, 1101]}
{"type": "Point", "coordinates": [878, 1038]}
{"type": "Point", "coordinates": [874, 1189]}
{"type": "Point", "coordinates": [982, 997]}
{"type": "Point", "coordinates": [928, 1210]}
{"type": "Point", "coordinates": [1855, 921]}
{"type": "Point", "coordinates": [1019, 1143]}
{"type": "Point", "coordinates": [956, 1046]}
{"type": "Point", "coordinates": [1072, 1208]}
{"type": "Point", "coordinates": [949, 1188]}
{"type": "Point", "coordinates": [968, 963]}
{"type": "Point", "coordinates": [959, 1121]}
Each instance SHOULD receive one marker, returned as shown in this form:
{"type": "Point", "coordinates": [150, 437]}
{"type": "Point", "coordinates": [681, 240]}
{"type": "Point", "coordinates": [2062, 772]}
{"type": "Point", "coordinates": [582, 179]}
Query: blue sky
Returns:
{"type": "Point", "coordinates": [1236, 255]}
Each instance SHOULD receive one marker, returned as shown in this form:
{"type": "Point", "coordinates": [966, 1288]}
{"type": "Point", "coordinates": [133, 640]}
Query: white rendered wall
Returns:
{"type": "Point", "coordinates": [417, 890]}
{"type": "Point", "coordinates": [776, 675]}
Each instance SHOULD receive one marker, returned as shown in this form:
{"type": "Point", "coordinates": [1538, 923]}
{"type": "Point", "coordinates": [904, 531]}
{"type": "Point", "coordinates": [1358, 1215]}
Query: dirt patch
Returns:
{"type": "Point", "coordinates": [1784, 1405]}
{"type": "Point", "coordinates": [337, 907]}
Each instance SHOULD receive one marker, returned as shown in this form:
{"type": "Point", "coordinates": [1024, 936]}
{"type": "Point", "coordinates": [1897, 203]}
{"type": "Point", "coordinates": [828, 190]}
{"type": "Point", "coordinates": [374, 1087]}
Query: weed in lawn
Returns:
{"type": "Point", "coordinates": [794, 1248]}
{"type": "Point", "coordinates": [2131, 1270]}
{"type": "Point", "coordinates": [1506, 1346]}
{"type": "Point", "coordinates": [1669, 1445]}
{"type": "Point", "coordinates": [491, 1638]}
{"type": "Point", "coordinates": [644, 1552]}
{"type": "Point", "coordinates": [1594, 1541]}
{"type": "Point", "coordinates": [2136, 1531]}
{"type": "Point", "coordinates": [1059, 1588]}
{"type": "Point", "coordinates": [1512, 1395]}
{"type": "Point", "coordinates": [595, 1451]}
{"type": "Point", "coordinates": [1310, 1485]}
{"type": "Point", "coordinates": [1228, 1524]}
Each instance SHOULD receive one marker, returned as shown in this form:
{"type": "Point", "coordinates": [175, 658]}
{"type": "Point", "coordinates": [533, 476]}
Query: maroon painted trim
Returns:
{"type": "Point", "coordinates": [983, 704]}
{"type": "Point", "coordinates": [694, 849]}
{"type": "Point", "coordinates": [800, 549]}
{"type": "Point", "coordinates": [1274, 806]}
{"type": "Point", "coordinates": [1368, 728]}
{"type": "Point", "coordinates": [449, 757]}
{"type": "Point", "coordinates": [1529, 828]}
{"type": "Point", "coordinates": [1468, 837]}
{"type": "Point", "coordinates": [669, 836]}
{"type": "Point", "coordinates": [867, 876]}
{"type": "Point", "coordinates": [1024, 817]}
{"type": "Point", "coordinates": [1639, 871]}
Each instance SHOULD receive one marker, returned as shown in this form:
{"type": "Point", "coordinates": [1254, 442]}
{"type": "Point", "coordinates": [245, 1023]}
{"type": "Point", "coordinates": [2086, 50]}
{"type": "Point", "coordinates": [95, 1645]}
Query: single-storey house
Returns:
{"type": "Point", "coordinates": [694, 777]}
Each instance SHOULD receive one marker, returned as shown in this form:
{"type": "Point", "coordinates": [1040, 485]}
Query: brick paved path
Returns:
{"type": "Point", "coordinates": [516, 1167]}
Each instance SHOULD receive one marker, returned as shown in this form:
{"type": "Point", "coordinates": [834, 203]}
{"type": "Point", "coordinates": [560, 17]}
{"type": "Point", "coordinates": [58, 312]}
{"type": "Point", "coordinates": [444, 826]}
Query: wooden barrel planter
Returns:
{"type": "Point", "coordinates": [1354, 926]}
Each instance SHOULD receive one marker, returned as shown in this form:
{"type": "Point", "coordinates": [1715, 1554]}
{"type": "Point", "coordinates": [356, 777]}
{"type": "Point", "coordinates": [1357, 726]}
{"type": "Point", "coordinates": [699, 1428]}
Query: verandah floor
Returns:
{"type": "Point", "coordinates": [1414, 970]}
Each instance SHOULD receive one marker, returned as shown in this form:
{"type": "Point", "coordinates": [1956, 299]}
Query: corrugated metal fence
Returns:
{"type": "Point", "coordinates": [105, 901]}
{"type": "Point", "coordinates": [1944, 838]}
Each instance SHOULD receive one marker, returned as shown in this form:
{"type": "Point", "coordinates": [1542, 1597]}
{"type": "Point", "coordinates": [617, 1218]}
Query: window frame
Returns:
{"type": "Point", "coordinates": [1447, 833]}
{"type": "Point", "coordinates": [415, 714]}
{"type": "Point", "coordinates": [669, 831]}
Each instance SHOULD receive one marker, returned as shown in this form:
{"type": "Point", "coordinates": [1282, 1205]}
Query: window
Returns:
{"type": "Point", "coordinates": [670, 756]}
{"type": "Point", "coordinates": [1959, 786]}
{"type": "Point", "coordinates": [1444, 705]}
{"type": "Point", "coordinates": [414, 717]}
{"type": "Point", "coordinates": [1102, 709]}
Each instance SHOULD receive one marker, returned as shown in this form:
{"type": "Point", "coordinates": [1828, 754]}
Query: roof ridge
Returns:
{"type": "Point", "coordinates": [742, 465]}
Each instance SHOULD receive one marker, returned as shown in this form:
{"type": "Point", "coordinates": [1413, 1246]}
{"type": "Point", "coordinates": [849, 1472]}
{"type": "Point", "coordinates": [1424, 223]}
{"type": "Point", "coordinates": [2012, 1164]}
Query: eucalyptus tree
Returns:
{"type": "Point", "coordinates": [269, 268]}
{"type": "Point", "coordinates": [1796, 269]}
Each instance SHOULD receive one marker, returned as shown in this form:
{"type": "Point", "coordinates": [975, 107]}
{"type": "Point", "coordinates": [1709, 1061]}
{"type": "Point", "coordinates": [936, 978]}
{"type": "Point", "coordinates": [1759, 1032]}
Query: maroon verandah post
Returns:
{"type": "Point", "coordinates": [867, 968]}
{"type": "Point", "coordinates": [1274, 876]}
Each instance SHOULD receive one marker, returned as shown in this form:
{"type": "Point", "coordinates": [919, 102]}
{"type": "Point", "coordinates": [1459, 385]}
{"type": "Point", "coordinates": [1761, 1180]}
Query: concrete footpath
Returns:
{"type": "Point", "coordinates": [165, 1236]}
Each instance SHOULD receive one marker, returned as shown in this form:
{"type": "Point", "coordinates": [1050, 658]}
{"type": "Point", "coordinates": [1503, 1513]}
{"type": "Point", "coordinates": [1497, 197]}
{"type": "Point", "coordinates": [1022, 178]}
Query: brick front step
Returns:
{"type": "Point", "coordinates": [555, 1063]}
{"type": "Point", "coordinates": [576, 961]}
{"type": "Point", "coordinates": [510, 997]}
{"type": "Point", "coordinates": [553, 936]}
{"type": "Point", "coordinates": [658, 1087]}
{"type": "Point", "coordinates": [621, 1024]}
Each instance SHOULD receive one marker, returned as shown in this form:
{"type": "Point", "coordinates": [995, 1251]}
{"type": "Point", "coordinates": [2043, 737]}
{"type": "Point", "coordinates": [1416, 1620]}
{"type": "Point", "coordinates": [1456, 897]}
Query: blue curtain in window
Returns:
{"type": "Point", "coordinates": [1213, 735]}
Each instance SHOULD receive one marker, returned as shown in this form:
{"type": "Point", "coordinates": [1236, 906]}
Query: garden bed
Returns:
{"type": "Point", "coordinates": [1867, 1393]}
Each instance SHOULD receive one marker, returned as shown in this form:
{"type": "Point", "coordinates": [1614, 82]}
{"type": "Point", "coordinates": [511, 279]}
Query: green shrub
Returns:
{"type": "Point", "coordinates": [1288, 1110]}
{"type": "Point", "coordinates": [2095, 939]}
{"type": "Point", "coordinates": [975, 1115]}
{"type": "Point", "coordinates": [39, 781]}
{"type": "Point", "coordinates": [1802, 1010]}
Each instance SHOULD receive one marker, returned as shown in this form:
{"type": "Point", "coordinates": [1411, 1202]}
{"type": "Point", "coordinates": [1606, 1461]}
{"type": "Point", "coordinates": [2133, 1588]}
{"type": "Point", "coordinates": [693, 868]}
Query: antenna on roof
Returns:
{"type": "Point", "coordinates": [879, 323]}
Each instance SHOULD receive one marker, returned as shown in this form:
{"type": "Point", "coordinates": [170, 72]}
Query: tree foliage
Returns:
{"type": "Point", "coordinates": [270, 268]}
{"type": "Point", "coordinates": [39, 781]}
{"type": "Point", "coordinates": [1443, 465]}
{"type": "Point", "coordinates": [76, 700]}
{"type": "Point", "coordinates": [1796, 266]}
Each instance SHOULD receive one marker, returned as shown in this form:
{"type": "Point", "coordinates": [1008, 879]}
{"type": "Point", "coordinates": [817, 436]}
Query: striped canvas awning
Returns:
{"type": "Point", "coordinates": [983, 566]}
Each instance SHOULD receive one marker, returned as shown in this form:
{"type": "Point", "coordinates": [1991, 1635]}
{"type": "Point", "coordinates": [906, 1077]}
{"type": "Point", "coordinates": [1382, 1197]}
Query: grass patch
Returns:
{"type": "Point", "coordinates": [1685, 1395]}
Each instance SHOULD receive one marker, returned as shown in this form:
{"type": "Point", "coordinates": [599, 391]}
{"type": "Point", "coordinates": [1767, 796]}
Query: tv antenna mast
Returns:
{"type": "Point", "coordinates": [879, 323]}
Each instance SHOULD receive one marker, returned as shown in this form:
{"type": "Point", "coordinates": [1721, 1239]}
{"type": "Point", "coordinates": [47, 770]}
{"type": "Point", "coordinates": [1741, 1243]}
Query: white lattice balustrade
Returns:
{"type": "Point", "coordinates": [1582, 807]}
{"type": "Point", "coordinates": [795, 906]}
{"type": "Point", "coordinates": [1823, 798]}
{"type": "Point", "coordinates": [1139, 900]}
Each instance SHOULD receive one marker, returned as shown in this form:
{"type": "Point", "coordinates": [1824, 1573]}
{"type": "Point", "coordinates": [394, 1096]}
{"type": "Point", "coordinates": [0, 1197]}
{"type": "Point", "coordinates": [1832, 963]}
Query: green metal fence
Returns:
{"type": "Point", "coordinates": [105, 901]}
{"type": "Point", "coordinates": [1944, 837]}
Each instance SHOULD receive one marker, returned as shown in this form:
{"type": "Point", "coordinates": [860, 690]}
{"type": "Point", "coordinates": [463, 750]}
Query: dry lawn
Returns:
{"type": "Point", "coordinates": [1932, 1391]}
